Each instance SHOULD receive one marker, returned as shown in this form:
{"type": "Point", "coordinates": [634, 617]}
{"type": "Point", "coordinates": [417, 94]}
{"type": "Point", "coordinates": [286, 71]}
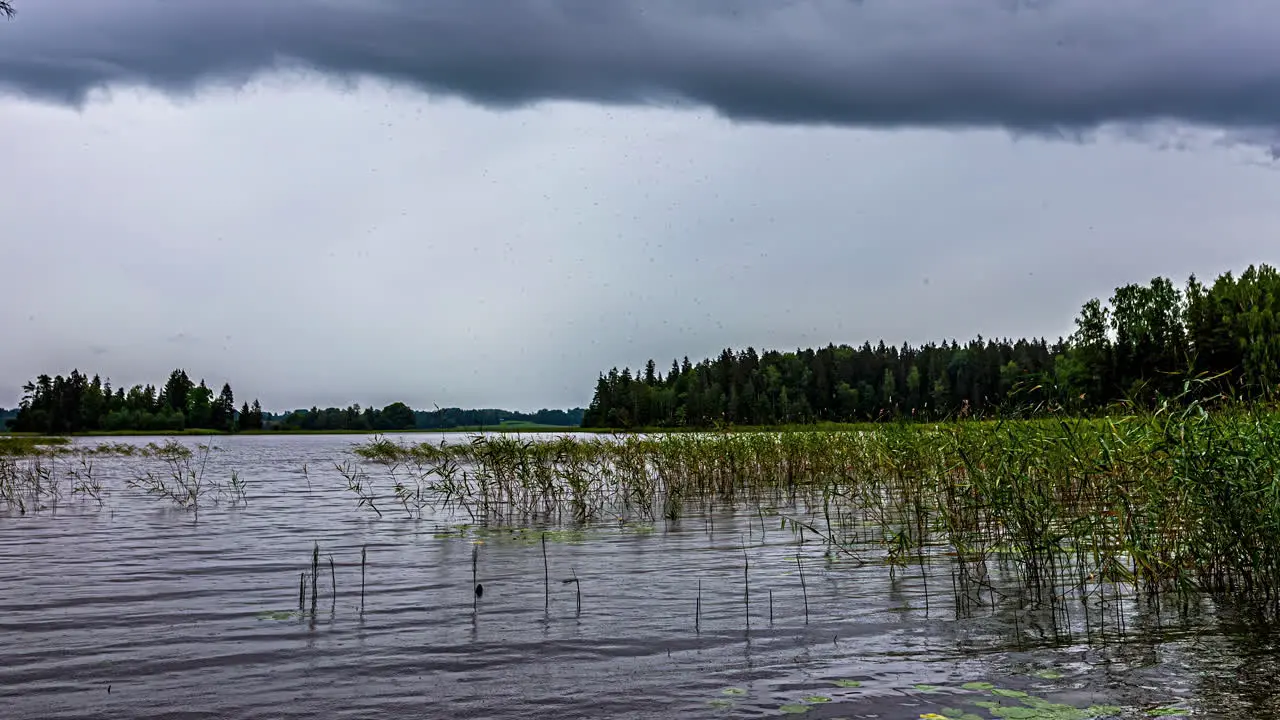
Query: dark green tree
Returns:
{"type": "Point", "coordinates": [200, 407]}
{"type": "Point", "coordinates": [222, 413]}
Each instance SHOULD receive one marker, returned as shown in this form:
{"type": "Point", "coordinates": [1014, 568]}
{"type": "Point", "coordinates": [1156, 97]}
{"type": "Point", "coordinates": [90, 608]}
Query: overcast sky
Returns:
{"type": "Point", "coordinates": [486, 202]}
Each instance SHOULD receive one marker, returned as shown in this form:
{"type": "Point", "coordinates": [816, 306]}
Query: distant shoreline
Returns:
{"type": "Point", "coordinates": [536, 429]}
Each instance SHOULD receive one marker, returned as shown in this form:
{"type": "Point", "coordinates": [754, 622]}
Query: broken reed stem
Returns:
{"type": "Point", "coordinates": [577, 587]}
{"type": "Point", "coordinates": [315, 572]}
{"type": "Point", "coordinates": [333, 580]}
{"type": "Point", "coordinates": [363, 550]}
{"type": "Point", "coordinates": [746, 582]}
{"type": "Point", "coordinates": [546, 576]}
{"type": "Point", "coordinates": [803, 589]}
{"type": "Point", "coordinates": [697, 611]}
{"type": "Point", "coordinates": [770, 606]}
{"type": "Point", "coordinates": [475, 596]}
{"type": "Point", "coordinates": [302, 591]}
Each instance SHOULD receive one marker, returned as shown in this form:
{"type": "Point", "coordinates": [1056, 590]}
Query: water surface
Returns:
{"type": "Point", "coordinates": [139, 609]}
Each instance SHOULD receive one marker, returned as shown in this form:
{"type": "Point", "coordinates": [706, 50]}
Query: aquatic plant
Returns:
{"type": "Point", "coordinates": [1174, 499]}
{"type": "Point", "coordinates": [23, 445]}
{"type": "Point", "coordinates": [27, 483]}
{"type": "Point", "coordinates": [183, 482]}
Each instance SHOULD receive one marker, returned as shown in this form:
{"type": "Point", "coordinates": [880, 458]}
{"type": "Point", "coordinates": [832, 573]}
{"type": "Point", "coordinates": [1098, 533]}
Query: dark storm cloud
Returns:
{"type": "Point", "coordinates": [1058, 66]}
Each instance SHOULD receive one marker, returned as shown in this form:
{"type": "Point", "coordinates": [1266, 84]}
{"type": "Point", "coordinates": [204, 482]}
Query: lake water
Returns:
{"type": "Point", "coordinates": [138, 609]}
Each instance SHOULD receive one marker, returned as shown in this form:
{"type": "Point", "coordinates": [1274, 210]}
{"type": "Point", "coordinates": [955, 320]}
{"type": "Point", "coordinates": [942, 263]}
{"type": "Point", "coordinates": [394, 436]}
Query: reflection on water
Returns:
{"type": "Point", "coordinates": [136, 609]}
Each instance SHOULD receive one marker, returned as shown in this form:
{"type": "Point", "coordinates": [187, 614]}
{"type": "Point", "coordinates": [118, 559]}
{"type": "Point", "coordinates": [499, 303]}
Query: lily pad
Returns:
{"type": "Point", "coordinates": [1048, 674]}
{"type": "Point", "coordinates": [928, 688]}
{"type": "Point", "coordinates": [794, 708]}
{"type": "Point", "coordinates": [1005, 692]}
{"type": "Point", "coordinates": [817, 699]}
{"type": "Point", "coordinates": [276, 615]}
{"type": "Point", "coordinates": [720, 703]}
{"type": "Point", "coordinates": [848, 683]}
{"type": "Point", "coordinates": [733, 691]}
{"type": "Point", "coordinates": [1016, 712]}
{"type": "Point", "coordinates": [978, 686]}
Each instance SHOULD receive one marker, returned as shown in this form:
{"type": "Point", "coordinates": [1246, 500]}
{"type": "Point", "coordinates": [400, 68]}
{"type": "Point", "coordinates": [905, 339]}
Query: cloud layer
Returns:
{"type": "Point", "coordinates": [1055, 66]}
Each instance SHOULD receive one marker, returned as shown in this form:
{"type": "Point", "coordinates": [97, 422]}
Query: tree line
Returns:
{"type": "Point", "coordinates": [1142, 345]}
{"type": "Point", "coordinates": [449, 418]}
{"type": "Point", "coordinates": [399, 416]}
{"type": "Point", "coordinates": [76, 403]}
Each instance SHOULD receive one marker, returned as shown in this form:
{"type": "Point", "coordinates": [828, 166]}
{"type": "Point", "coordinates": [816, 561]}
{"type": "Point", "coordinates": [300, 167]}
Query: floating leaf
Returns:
{"type": "Point", "coordinates": [928, 688]}
{"type": "Point", "coordinates": [1165, 712]}
{"type": "Point", "coordinates": [978, 686]}
{"type": "Point", "coordinates": [275, 615]}
{"type": "Point", "coordinates": [1015, 712]}
{"type": "Point", "coordinates": [733, 691]}
{"type": "Point", "coordinates": [848, 683]}
{"type": "Point", "coordinates": [794, 708]}
{"type": "Point", "coordinates": [1048, 675]}
{"type": "Point", "coordinates": [817, 699]}
{"type": "Point", "coordinates": [720, 703]}
{"type": "Point", "coordinates": [1005, 692]}
{"type": "Point", "coordinates": [988, 704]}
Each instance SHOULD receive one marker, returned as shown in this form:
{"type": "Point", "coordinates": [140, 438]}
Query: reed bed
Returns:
{"type": "Point", "coordinates": [1175, 500]}
{"type": "Point", "coordinates": [37, 474]}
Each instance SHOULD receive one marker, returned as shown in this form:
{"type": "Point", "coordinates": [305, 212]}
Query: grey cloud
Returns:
{"type": "Point", "coordinates": [1059, 67]}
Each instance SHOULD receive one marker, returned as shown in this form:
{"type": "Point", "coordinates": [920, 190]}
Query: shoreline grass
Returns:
{"type": "Point", "coordinates": [1171, 500]}
{"type": "Point", "coordinates": [1176, 499]}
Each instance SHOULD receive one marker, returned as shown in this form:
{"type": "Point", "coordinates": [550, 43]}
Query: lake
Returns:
{"type": "Point", "coordinates": [136, 608]}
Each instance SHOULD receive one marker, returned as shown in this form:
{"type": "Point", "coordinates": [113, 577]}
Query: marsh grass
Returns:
{"type": "Point", "coordinates": [23, 445]}
{"type": "Point", "coordinates": [1172, 500]}
{"type": "Point", "coordinates": [37, 473]}
{"type": "Point", "coordinates": [182, 479]}
{"type": "Point", "coordinates": [37, 482]}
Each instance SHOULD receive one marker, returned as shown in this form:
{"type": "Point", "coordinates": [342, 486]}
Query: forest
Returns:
{"type": "Point", "coordinates": [1143, 345]}
{"type": "Point", "coordinates": [398, 416]}
{"type": "Point", "coordinates": [76, 403]}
